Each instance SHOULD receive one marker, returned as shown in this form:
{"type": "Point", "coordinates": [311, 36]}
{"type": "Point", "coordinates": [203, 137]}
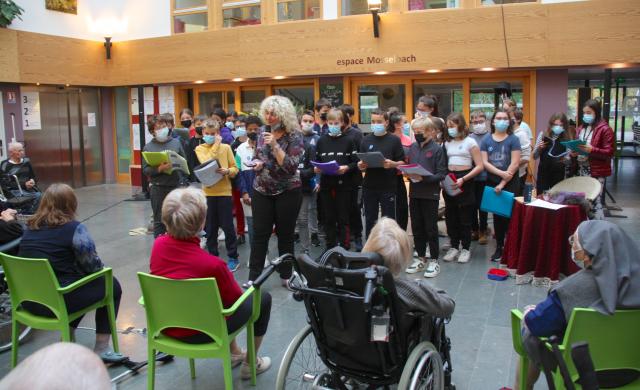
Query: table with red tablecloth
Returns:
{"type": "Point", "coordinates": [536, 247]}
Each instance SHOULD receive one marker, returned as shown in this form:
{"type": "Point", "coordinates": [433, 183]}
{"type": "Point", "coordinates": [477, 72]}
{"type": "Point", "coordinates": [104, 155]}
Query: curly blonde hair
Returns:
{"type": "Point", "coordinates": [283, 109]}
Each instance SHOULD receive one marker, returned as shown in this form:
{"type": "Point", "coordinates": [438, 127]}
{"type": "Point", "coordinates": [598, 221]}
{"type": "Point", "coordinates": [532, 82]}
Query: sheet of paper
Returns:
{"type": "Point", "coordinates": [545, 205]}
{"type": "Point", "coordinates": [207, 174]}
{"type": "Point", "coordinates": [91, 119]}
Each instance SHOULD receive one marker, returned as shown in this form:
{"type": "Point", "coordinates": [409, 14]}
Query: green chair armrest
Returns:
{"type": "Point", "coordinates": [107, 272]}
{"type": "Point", "coordinates": [141, 301]}
{"type": "Point", "coordinates": [516, 328]}
{"type": "Point", "coordinates": [250, 291]}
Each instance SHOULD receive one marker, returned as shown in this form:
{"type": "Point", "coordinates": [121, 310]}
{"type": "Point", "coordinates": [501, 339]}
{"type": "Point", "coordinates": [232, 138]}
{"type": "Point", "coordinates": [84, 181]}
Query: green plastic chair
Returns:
{"type": "Point", "coordinates": [193, 304]}
{"type": "Point", "coordinates": [33, 280]}
{"type": "Point", "coordinates": [614, 342]}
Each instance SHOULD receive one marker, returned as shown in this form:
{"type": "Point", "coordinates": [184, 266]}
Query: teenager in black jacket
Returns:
{"type": "Point", "coordinates": [336, 188]}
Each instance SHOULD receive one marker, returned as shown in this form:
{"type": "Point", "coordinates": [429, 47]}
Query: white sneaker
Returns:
{"type": "Point", "coordinates": [203, 242]}
{"type": "Point", "coordinates": [262, 365]}
{"type": "Point", "coordinates": [451, 255]}
{"type": "Point", "coordinates": [464, 257]}
{"type": "Point", "coordinates": [416, 266]}
{"type": "Point", "coordinates": [433, 269]}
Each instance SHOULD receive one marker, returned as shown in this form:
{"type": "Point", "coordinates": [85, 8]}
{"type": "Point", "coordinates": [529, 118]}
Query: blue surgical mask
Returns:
{"type": "Point", "coordinates": [502, 125]}
{"type": "Point", "coordinates": [378, 129]}
{"type": "Point", "coordinates": [209, 139]}
{"type": "Point", "coordinates": [229, 125]}
{"type": "Point", "coordinates": [162, 135]}
{"type": "Point", "coordinates": [334, 131]}
{"type": "Point", "coordinates": [240, 132]}
{"type": "Point", "coordinates": [406, 129]}
{"type": "Point", "coordinates": [453, 132]}
{"type": "Point", "coordinates": [588, 118]}
{"type": "Point", "coordinates": [557, 130]}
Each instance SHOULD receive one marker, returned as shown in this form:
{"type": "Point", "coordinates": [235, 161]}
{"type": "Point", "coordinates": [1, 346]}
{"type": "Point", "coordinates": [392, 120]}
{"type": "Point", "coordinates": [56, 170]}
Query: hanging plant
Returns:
{"type": "Point", "coordinates": [9, 10]}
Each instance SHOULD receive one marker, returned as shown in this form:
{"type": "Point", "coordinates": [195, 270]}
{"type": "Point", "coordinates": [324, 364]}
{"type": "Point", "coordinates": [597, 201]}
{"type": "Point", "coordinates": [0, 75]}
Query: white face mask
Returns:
{"type": "Point", "coordinates": [307, 127]}
{"type": "Point", "coordinates": [480, 128]}
{"type": "Point", "coordinates": [162, 135]}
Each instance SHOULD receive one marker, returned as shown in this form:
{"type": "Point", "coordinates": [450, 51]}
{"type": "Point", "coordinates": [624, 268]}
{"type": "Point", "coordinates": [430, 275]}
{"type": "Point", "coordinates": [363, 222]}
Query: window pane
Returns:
{"type": "Point", "coordinates": [415, 5]}
{"type": "Point", "coordinates": [484, 97]}
{"type": "Point", "coordinates": [190, 23]}
{"type": "Point", "coordinates": [496, 2]}
{"type": "Point", "coordinates": [298, 10]}
{"type": "Point", "coordinates": [357, 7]}
{"type": "Point", "coordinates": [241, 16]}
{"type": "Point", "coordinates": [301, 97]}
{"type": "Point", "coordinates": [123, 134]}
{"type": "Point", "coordinates": [250, 100]}
{"type": "Point", "coordinates": [208, 101]}
{"type": "Point", "coordinates": [371, 97]}
{"type": "Point", "coordinates": [182, 4]}
{"type": "Point", "coordinates": [449, 97]}
{"type": "Point", "coordinates": [231, 101]}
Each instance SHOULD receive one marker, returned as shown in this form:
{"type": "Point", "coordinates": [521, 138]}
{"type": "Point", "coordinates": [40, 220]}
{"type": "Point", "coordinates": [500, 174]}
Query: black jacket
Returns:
{"type": "Point", "coordinates": [343, 150]}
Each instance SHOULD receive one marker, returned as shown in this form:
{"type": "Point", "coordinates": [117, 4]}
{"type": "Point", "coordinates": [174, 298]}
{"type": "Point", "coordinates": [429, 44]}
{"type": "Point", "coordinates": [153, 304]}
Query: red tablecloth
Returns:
{"type": "Point", "coordinates": [537, 241]}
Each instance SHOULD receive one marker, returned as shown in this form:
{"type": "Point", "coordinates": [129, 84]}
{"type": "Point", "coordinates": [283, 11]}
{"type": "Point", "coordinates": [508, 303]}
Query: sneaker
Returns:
{"type": "Point", "coordinates": [262, 365]}
{"type": "Point", "coordinates": [233, 264]}
{"type": "Point", "coordinates": [433, 269]}
{"type": "Point", "coordinates": [446, 246]}
{"type": "Point", "coordinates": [237, 359]}
{"type": "Point", "coordinates": [497, 256]}
{"type": "Point", "coordinates": [315, 240]}
{"type": "Point", "coordinates": [451, 255]}
{"type": "Point", "coordinates": [416, 266]}
{"type": "Point", "coordinates": [247, 284]}
{"type": "Point", "coordinates": [482, 237]}
{"type": "Point", "coordinates": [475, 235]}
{"type": "Point", "coordinates": [464, 256]}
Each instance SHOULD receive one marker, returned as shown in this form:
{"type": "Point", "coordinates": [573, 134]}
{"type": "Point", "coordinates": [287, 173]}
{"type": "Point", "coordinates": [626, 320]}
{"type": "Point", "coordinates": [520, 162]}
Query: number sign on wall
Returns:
{"type": "Point", "coordinates": [30, 110]}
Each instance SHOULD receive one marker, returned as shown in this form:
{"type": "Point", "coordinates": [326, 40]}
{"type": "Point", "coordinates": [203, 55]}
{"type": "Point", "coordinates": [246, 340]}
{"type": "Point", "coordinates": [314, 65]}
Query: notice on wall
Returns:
{"type": "Point", "coordinates": [30, 111]}
{"type": "Point", "coordinates": [166, 100]}
{"type": "Point", "coordinates": [332, 88]}
{"type": "Point", "coordinates": [91, 119]}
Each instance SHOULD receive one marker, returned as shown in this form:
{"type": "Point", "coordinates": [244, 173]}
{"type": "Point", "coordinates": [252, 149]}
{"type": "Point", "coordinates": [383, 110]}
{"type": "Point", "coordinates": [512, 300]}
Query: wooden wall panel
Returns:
{"type": "Point", "coordinates": [593, 32]}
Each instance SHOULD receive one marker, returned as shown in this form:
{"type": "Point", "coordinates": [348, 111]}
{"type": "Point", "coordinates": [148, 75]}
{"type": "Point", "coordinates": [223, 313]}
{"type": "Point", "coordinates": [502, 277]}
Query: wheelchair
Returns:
{"type": "Point", "coordinates": [24, 202]}
{"type": "Point", "coordinates": [359, 334]}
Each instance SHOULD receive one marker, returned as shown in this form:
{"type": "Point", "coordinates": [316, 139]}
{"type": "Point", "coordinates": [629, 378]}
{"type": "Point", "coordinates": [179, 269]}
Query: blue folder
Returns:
{"type": "Point", "coordinates": [499, 204]}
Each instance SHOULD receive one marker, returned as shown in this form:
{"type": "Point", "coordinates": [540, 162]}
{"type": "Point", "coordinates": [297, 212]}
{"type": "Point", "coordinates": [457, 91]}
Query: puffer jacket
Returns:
{"type": "Point", "coordinates": [602, 148]}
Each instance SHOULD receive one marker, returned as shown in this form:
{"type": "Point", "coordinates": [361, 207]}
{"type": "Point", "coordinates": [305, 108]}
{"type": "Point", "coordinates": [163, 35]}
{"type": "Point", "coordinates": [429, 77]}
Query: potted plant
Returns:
{"type": "Point", "coordinates": [9, 10]}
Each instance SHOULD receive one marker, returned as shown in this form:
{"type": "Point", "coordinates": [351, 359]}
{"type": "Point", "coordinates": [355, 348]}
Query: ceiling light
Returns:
{"type": "Point", "coordinates": [199, 82]}
{"type": "Point", "coordinates": [279, 77]}
{"type": "Point", "coordinates": [487, 69]}
{"type": "Point", "coordinates": [67, 85]}
{"type": "Point", "coordinates": [619, 65]}
{"type": "Point", "coordinates": [237, 79]}
{"type": "Point", "coordinates": [380, 72]}
{"type": "Point", "coordinates": [37, 83]}
{"type": "Point", "coordinates": [433, 71]}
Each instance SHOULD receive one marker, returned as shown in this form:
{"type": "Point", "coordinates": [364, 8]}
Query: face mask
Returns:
{"type": "Point", "coordinates": [323, 116]}
{"type": "Point", "coordinates": [406, 129]}
{"type": "Point", "coordinates": [229, 125]}
{"type": "Point", "coordinates": [162, 135]}
{"type": "Point", "coordinates": [252, 136]}
{"type": "Point", "coordinates": [453, 132]}
{"type": "Point", "coordinates": [579, 263]}
{"type": "Point", "coordinates": [422, 114]}
{"type": "Point", "coordinates": [209, 139]}
{"type": "Point", "coordinates": [241, 132]}
{"type": "Point", "coordinates": [378, 129]}
{"type": "Point", "coordinates": [557, 130]}
{"type": "Point", "coordinates": [420, 138]}
{"type": "Point", "coordinates": [186, 123]}
{"type": "Point", "coordinates": [199, 130]}
{"type": "Point", "coordinates": [307, 128]}
{"type": "Point", "coordinates": [479, 128]}
{"type": "Point", "coordinates": [502, 125]}
{"type": "Point", "coordinates": [588, 118]}
{"type": "Point", "coordinates": [334, 131]}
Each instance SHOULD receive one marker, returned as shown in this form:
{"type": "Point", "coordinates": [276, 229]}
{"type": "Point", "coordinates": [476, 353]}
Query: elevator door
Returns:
{"type": "Point", "coordinates": [68, 147]}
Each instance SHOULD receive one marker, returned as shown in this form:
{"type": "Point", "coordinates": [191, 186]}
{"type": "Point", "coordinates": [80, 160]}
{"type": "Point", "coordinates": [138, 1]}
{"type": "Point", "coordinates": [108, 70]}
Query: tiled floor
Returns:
{"type": "Point", "coordinates": [482, 354]}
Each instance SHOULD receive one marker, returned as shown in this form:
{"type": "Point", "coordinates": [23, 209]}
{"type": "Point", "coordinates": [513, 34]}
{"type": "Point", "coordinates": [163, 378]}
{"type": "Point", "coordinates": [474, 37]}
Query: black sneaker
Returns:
{"type": "Point", "coordinates": [357, 242]}
{"type": "Point", "coordinates": [497, 256]}
{"type": "Point", "coordinates": [315, 240]}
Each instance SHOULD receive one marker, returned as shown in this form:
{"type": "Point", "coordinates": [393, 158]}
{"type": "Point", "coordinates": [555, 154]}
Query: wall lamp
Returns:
{"type": "Point", "coordinates": [374, 7]}
{"type": "Point", "coordinates": [107, 46]}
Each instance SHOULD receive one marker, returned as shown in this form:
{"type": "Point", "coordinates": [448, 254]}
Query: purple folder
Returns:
{"type": "Point", "coordinates": [328, 168]}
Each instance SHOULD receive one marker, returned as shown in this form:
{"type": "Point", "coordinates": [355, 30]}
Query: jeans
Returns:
{"type": "Point", "coordinates": [220, 215]}
{"type": "Point", "coordinates": [157, 194]}
{"type": "Point", "coordinates": [268, 210]}
{"type": "Point", "coordinates": [303, 221]}
{"type": "Point", "coordinates": [424, 223]}
{"type": "Point", "coordinates": [402, 207]}
{"type": "Point", "coordinates": [375, 200]}
{"type": "Point", "coordinates": [336, 204]}
{"type": "Point", "coordinates": [476, 213]}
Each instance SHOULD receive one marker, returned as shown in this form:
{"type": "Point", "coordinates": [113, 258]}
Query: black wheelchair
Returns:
{"type": "Point", "coordinates": [359, 334]}
{"type": "Point", "coordinates": [12, 195]}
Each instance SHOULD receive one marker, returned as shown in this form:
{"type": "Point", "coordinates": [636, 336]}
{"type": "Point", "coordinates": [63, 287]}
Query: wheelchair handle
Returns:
{"type": "Point", "coordinates": [369, 289]}
{"type": "Point", "coordinates": [287, 257]}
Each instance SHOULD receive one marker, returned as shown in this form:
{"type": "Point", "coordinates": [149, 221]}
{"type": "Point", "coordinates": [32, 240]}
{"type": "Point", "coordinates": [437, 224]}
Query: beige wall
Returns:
{"type": "Point", "coordinates": [595, 32]}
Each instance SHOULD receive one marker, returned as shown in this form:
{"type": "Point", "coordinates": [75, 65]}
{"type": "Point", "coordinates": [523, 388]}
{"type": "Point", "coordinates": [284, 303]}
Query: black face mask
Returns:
{"type": "Point", "coordinates": [323, 117]}
{"type": "Point", "coordinates": [186, 123]}
{"type": "Point", "coordinates": [252, 136]}
{"type": "Point", "coordinates": [420, 138]}
{"type": "Point", "coordinates": [199, 129]}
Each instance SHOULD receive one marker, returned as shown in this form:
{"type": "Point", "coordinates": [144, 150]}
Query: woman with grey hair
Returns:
{"type": "Point", "coordinates": [609, 279]}
{"type": "Point", "coordinates": [277, 188]}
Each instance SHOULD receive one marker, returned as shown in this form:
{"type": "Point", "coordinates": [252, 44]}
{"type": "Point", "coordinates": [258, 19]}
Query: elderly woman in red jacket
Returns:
{"type": "Point", "coordinates": [599, 148]}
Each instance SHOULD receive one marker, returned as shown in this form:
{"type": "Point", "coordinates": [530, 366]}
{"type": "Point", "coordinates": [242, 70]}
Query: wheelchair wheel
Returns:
{"type": "Point", "coordinates": [423, 369]}
{"type": "Point", "coordinates": [5, 319]}
{"type": "Point", "coordinates": [301, 365]}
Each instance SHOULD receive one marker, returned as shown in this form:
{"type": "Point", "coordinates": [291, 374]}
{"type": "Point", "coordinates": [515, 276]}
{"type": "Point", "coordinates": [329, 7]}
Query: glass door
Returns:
{"type": "Point", "coordinates": [450, 96]}
{"type": "Point", "coordinates": [210, 100]}
{"type": "Point", "coordinates": [371, 96]}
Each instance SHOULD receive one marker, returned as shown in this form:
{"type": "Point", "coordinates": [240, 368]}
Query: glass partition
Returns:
{"type": "Point", "coordinates": [358, 7]}
{"type": "Point", "coordinates": [449, 96]}
{"type": "Point", "coordinates": [298, 10]}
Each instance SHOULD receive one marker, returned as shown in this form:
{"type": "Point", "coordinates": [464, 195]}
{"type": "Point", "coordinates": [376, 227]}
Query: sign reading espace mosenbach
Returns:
{"type": "Point", "coordinates": [373, 60]}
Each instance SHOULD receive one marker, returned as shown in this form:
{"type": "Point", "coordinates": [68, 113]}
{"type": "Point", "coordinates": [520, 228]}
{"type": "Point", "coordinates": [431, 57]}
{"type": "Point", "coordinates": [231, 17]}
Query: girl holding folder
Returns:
{"type": "Point", "coordinates": [501, 159]}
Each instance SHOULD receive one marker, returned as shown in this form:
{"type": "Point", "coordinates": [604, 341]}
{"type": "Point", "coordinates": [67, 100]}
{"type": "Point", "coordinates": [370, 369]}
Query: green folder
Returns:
{"type": "Point", "coordinates": [573, 145]}
{"type": "Point", "coordinates": [155, 158]}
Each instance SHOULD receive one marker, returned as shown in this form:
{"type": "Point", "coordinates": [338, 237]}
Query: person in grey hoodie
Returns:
{"type": "Point", "coordinates": [162, 182]}
{"type": "Point", "coordinates": [424, 195]}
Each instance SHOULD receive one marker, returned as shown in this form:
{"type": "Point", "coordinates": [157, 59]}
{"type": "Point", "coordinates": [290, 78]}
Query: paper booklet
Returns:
{"type": "Point", "coordinates": [447, 185]}
{"type": "Point", "coordinates": [414, 169]}
{"type": "Point", "coordinates": [177, 161]}
{"type": "Point", "coordinates": [373, 159]}
{"type": "Point", "coordinates": [207, 174]}
{"type": "Point", "coordinates": [328, 168]}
